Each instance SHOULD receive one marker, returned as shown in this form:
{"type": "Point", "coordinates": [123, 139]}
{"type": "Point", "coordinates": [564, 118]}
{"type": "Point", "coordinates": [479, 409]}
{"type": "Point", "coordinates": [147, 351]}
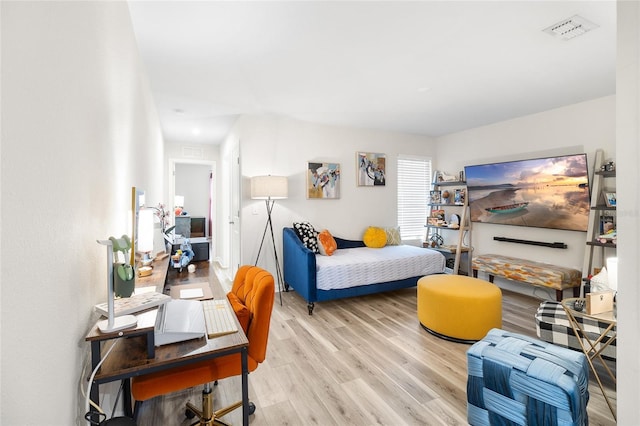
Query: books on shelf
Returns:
{"type": "Point", "coordinates": [133, 304]}
{"type": "Point", "coordinates": [437, 217]}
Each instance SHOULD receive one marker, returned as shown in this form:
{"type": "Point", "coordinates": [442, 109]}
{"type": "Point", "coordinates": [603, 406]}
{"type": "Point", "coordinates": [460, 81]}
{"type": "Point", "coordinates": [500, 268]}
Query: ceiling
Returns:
{"type": "Point", "coordinates": [422, 67]}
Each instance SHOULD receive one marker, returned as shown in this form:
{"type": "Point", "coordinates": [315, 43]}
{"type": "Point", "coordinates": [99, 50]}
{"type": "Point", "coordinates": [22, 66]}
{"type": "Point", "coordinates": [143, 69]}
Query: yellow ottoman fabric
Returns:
{"type": "Point", "coordinates": [459, 307]}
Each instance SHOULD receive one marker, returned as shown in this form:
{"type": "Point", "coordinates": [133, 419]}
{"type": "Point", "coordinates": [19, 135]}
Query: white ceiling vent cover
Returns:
{"type": "Point", "coordinates": [570, 28]}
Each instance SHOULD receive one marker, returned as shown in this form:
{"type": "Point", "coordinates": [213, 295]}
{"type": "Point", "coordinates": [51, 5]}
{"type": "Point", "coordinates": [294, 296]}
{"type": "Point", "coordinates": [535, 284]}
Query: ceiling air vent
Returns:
{"type": "Point", "coordinates": [570, 28]}
{"type": "Point", "coordinates": [192, 152]}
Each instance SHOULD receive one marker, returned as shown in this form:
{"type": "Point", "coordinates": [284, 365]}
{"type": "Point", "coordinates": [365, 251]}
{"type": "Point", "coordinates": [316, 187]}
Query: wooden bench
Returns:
{"type": "Point", "coordinates": [527, 271]}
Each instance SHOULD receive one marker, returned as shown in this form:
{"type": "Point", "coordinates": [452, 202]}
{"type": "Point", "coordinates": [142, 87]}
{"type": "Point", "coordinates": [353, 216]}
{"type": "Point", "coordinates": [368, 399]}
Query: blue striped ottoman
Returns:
{"type": "Point", "coordinates": [519, 379]}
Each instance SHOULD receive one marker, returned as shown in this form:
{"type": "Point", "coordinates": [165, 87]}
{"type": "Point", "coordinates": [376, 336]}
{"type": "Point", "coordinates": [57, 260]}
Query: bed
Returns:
{"type": "Point", "coordinates": [353, 269]}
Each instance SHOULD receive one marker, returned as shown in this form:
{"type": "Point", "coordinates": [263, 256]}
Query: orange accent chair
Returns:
{"type": "Point", "coordinates": [252, 298]}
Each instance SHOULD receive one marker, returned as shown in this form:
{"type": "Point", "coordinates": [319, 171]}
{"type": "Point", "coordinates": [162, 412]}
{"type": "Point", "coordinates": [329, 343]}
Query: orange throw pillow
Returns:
{"type": "Point", "coordinates": [327, 243]}
{"type": "Point", "coordinates": [242, 312]}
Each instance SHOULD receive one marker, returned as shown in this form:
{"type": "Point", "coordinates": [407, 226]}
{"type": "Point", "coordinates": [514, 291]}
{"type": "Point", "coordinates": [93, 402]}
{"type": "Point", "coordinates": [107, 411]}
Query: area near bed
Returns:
{"type": "Point", "coordinates": [353, 269]}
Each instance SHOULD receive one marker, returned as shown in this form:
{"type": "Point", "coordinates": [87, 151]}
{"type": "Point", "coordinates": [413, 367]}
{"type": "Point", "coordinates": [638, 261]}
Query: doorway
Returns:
{"type": "Point", "coordinates": [194, 182]}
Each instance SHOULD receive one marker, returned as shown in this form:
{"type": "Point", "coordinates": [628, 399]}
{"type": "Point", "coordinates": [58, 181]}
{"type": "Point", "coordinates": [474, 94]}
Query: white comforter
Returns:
{"type": "Point", "coordinates": [362, 265]}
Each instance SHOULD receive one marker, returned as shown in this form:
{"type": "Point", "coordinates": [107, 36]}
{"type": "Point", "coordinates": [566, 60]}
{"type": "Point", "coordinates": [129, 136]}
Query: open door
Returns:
{"type": "Point", "coordinates": [234, 213]}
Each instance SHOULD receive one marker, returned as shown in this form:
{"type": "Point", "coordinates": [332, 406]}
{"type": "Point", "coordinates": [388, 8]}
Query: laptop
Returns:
{"type": "Point", "coordinates": [179, 320]}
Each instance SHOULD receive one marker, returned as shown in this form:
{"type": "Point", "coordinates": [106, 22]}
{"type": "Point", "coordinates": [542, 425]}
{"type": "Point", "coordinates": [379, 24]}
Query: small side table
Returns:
{"type": "Point", "coordinates": [590, 349]}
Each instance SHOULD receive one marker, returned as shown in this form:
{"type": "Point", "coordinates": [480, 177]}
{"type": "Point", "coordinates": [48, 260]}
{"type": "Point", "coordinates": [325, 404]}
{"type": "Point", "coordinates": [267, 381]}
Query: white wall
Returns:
{"type": "Point", "coordinates": [78, 131]}
{"type": "Point", "coordinates": [577, 128]}
{"type": "Point", "coordinates": [196, 155]}
{"type": "Point", "coordinates": [192, 182]}
{"type": "Point", "coordinates": [187, 154]}
{"type": "Point", "coordinates": [628, 134]}
{"type": "Point", "coordinates": [282, 146]}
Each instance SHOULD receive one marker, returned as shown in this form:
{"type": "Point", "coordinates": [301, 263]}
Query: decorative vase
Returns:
{"type": "Point", "coordinates": [123, 281]}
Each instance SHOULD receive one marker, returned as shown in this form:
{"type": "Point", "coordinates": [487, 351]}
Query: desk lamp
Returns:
{"type": "Point", "coordinates": [113, 323]}
{"type": "Point", "coordinates": [270, 188]}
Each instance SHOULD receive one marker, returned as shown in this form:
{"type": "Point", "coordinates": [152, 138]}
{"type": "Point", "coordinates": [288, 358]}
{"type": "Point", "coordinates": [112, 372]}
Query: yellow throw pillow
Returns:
{"type": "Point", "coordinates": [375, 237]}
{"type": "Point", "coordinates": [327, 244]}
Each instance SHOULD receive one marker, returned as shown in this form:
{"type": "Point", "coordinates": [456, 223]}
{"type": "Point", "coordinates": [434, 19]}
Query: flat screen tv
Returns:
{"type": "Point", "coordinates": [550, 192]}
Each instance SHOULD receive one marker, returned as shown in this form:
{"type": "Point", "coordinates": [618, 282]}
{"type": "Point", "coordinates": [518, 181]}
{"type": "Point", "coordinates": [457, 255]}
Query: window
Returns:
{"type": "Point", "coordinates": [414, 184]}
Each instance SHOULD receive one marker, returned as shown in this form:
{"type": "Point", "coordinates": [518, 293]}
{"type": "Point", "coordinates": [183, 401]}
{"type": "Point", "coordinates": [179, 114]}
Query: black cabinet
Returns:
{"type": "Point", "coordinates": [199, 245]}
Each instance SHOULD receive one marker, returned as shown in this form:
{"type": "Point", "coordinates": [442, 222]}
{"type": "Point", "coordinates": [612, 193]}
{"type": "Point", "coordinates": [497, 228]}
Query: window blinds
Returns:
{"type": "Point", "coordinates": [414, 184]}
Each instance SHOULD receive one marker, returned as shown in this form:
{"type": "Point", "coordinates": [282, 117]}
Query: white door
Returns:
{"type": "Point", "coordinates": [234, 214]}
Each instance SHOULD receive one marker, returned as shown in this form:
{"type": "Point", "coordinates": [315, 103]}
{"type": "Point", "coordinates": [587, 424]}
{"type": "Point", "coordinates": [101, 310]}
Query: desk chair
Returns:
{"type": "Point", "coordinates": [252, 297]}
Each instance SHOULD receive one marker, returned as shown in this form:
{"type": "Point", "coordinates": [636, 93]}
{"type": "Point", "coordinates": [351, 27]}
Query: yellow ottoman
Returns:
{"type": "Point", "coordinates": [457, 307]}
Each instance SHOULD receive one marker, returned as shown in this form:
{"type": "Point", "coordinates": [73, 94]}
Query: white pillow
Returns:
{"type": "Point", "coordinates": [600, 281]}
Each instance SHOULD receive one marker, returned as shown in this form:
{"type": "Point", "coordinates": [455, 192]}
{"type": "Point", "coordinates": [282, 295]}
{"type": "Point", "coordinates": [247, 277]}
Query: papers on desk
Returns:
{"type": "Point", "coordinates": [193, 291]}
{"type": "Point", "coordinates": [179, 320]}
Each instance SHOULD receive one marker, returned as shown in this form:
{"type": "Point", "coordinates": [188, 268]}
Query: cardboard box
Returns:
{"type": "Point", "coordinates": [599, 302]}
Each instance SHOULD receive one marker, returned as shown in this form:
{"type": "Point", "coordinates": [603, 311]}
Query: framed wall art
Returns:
{"type": "Point", "coordinates": [371, 169]}
{"type": "Point", "coordinates": [609, 198]}
{"type": "Point", "coordinates": [323, 180]}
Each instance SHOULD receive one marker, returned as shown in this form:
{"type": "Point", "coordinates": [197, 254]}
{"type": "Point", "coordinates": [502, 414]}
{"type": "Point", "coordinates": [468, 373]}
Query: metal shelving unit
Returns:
{"type": "Point", "coordinates": [434, 231]}
{"type": "Point", "coordinates": [598, 210]}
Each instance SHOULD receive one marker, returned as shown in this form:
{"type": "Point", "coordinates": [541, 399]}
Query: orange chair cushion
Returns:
{"type": "Point", "coordinates": [164, 382]}
{"type": "Point", "coordinates": [242, 312]}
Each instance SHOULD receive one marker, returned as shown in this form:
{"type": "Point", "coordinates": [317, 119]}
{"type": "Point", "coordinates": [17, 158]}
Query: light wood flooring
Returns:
{"type": "Point", "coordinates": [358, 361]}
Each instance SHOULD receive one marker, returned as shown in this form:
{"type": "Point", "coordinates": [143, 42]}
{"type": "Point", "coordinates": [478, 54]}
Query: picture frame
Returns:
{"type": "Point", "coordinates": [371, 169]}
{"type": "Point", "coordinates": [435, 196]}
{"type": "Point", "coordinates": [323, 180]}
{"type": "Point", "coordinates": [609, 198]}
{"type": "Point", "coordinates": [607, 223]}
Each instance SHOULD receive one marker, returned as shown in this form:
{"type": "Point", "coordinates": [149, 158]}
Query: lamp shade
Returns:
{"type": "Point", "coordinates": [178, 201]}
{"type": "Point", "coordinates": [269, 187]}
{"type": "Point", "coordinates": [145, 230]}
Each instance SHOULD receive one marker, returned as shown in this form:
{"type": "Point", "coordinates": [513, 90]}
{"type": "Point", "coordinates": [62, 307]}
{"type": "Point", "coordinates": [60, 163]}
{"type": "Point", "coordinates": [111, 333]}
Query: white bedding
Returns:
{"type": "Point", "coordinates": [362, 265]}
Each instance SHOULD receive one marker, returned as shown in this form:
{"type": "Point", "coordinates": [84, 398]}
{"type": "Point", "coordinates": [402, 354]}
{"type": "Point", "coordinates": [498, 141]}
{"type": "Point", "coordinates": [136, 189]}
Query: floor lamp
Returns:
{"type": "Point", "coordinates": [270, 188]}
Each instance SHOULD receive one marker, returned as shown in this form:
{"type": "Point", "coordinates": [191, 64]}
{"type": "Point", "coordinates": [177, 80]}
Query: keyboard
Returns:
{"type": "Point", "coordinates": [219, 317]}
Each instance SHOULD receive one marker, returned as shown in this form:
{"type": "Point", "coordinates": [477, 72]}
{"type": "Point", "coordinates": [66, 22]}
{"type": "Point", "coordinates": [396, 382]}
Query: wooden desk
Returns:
{"type": "Point", "coordinates": [129, 358]}
{"type": "Point", "coordinates": [158, 277]}
{"type": "Point", "coordinates": [146, 320]}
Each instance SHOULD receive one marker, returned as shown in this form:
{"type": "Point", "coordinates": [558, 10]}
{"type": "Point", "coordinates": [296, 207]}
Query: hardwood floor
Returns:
{"type": "Point", "coordinates": [359, 361]}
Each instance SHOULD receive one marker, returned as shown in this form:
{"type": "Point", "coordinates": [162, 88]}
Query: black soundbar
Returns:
{"type": "Point", "coordinates": [533, 243]}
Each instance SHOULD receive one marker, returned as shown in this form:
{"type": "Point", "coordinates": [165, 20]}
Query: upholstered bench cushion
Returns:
{"type": "Point", "coordinates": [519, 379]}
{"type": "Point", "coordinates": [536, 273]}
{"type": "Point", "coordinates": [457, 307]}
{"type": "Point", "coordinates": [552, 325]}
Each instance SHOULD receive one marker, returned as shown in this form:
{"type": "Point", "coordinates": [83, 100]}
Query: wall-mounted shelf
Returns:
{"type": "Point", "coordinates": [599, 244]}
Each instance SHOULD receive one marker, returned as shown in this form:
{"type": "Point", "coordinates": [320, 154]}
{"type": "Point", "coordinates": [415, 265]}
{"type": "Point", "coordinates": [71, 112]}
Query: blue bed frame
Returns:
{"type": "Point", "coordinates": [300, 273]}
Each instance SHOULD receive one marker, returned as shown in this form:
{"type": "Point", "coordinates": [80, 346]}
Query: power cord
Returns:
{"type": "Point", "coordinates": [88, 402]}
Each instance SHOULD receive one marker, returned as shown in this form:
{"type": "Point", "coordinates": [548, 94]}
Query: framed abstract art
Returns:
{"type": "Point", "coordinates": [323, 180]}
{"type": "Point", "coordinates": [371, 169]}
